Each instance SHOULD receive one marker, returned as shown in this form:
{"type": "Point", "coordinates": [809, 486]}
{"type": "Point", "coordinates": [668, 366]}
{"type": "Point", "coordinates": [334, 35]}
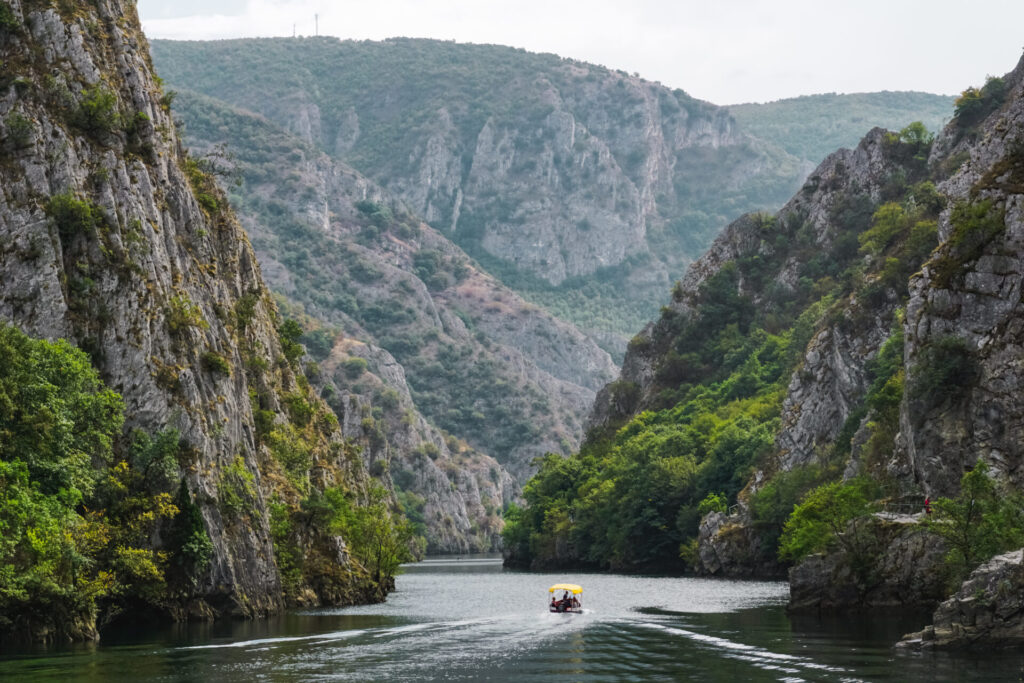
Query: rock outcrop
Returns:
{"type": "Point", "coordinates": [456, 493]}
{"type": "Point", "coordinates": [727, 545]}
{"type": "Point", "coordinates": [966, 307]}
{"type": "Point", "coordinates": [987, 611]}
{"type": "Point", "coordinates": [901, 566]}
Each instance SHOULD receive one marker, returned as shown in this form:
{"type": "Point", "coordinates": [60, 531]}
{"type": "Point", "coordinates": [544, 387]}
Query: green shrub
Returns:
{"type": "Point", "coordinates": [216, 363]}
{"type": "Point", "coordinates": [713, 502]}
{"type": "Point", "coordinates": [97, 113]}
{"type": "Point", "coordinates": [773, 503]}
{"type": "Point", "coordinates": [945, 368]}
{"type": "Point", "coordinates": [293, 452]}
{"type": "Point", "coordinates": [289, 333]}
{"type": "Point", "coordinates": [8, 22]}
{"type": "Point", "coordinates": [974, 104]}
{"type": "Point", "coordinates": [235, 491]}
{"type": "Point", "coordinates": [74, 216]}
{"type": "Point", "coordinates": [182, 314]}
{"type": "Point", "coordinates": [975, 225]}
{"type": "Point", "coordinates": [354, 367]}
{"type": "Point", "coordinates": [299, 409]}
{"type": "Point", "coordinates": [319, 342]}
{"type": "Point", "coordinates": [245, 309]}
{"type": "Point", "coordinates": [19, 130]}
{"type": "Point", "coordinates": [981, 522]}
{"type": "Point", "coordinates": [827, 517]}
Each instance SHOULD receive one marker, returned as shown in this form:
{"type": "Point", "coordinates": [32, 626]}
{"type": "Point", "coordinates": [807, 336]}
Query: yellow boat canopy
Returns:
{"type": "Point", "coordinates": [571, 587]}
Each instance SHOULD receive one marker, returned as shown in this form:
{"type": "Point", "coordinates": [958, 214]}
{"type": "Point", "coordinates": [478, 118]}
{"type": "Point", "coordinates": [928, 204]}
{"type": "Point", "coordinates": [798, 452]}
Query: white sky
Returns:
{"type": "Point", "coordinates": [724, 51]}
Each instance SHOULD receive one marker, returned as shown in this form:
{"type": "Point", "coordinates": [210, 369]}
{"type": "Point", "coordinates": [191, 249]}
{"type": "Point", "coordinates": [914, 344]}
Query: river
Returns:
{"type": "Point", "coordinates": [468, 619]}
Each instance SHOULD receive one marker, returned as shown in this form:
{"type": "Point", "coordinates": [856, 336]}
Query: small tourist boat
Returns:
{"type": "Point", "coordinates": [570, 599]}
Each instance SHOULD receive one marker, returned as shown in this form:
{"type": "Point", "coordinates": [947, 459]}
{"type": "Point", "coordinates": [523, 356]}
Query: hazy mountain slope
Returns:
{"type": "Point", "coordinates": [584, 189]}
{"type": "Point", "coordinates": [813, 126]}
{"type": "Point", "coordinates": [114, 239]}
{"type": "Point", "coordinates": [587, 189]}
{"type": "Point", "coordinates": [481, 363]}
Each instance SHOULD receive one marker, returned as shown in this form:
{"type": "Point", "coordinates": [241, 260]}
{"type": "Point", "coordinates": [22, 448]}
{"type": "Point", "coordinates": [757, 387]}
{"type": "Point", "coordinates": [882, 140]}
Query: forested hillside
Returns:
{"type": "Point", "coordinates": [813, 126]}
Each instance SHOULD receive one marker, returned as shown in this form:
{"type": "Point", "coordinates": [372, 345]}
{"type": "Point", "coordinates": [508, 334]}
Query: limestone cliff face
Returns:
{"type": "Point", "coordinates": [105, 243]}
{"type": "Point", "coordinates": [970, 294]}
{"type": "Point", "coordinates": [455, 492]}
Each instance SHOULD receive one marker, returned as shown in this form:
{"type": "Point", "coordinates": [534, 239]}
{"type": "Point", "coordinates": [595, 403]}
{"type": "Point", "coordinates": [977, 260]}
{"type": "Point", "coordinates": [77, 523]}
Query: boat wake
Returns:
{"type": "Point", "coordinates": [793, 667]}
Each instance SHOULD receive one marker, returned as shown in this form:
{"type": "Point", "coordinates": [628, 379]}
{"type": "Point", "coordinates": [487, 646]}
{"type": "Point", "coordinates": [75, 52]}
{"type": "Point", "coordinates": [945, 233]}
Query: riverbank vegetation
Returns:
{"type": "Point", "coordinates": [81, 500]}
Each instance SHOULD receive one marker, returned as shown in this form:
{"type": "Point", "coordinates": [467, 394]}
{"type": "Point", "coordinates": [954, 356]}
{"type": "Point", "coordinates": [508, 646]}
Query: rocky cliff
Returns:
{"type": "Point", "coordinates": [965, 305]}
{"type": "Point", "coordinates": [114, 239]}
{"type": "Point", "coordinates": [986, 612]}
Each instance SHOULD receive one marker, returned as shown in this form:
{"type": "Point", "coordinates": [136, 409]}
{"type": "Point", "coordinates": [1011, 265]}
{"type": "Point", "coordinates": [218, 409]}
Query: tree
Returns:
{"type": "Point", "coordinates": [829, 515]}
{"type": "Point", "coordinates": [377, 536]}
{"type": "Point", "coordinates": [979, 523]}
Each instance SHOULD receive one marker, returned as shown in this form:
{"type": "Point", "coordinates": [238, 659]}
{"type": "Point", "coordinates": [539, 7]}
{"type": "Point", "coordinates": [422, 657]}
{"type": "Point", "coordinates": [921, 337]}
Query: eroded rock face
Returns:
{"type": "Point", "coordinates": [160, 281]}
{"type": "Point", "coordinates": [458, 494]}
{"type": "Point", "coordinates": [987, 611]}
{"type": "Point", "coordinates": [728, 546]}
{"type": "Point", "coordinates": [564, 169]}
{"type": "Point", "coordinates": [973, 297]}
{"type": "Point", "coordinates": [904, 570]}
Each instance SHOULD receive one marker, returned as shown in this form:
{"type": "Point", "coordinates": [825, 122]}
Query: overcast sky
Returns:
{"type": "Point", "coordinates": [724, 51]}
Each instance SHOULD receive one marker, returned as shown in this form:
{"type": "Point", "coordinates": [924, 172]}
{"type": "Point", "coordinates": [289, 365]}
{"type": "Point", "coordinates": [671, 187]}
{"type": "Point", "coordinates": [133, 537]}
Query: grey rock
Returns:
{"type": "Point", "coordinates": [986, 612]}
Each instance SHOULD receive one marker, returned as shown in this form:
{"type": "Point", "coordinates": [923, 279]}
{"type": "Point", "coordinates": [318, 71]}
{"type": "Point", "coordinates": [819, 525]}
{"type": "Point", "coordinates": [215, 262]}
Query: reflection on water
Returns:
{"type": "Point", "coordinates": [468, 619]}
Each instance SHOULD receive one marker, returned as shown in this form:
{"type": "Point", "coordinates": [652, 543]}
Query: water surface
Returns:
{"type": "Point", "coordinates": [467, 619]}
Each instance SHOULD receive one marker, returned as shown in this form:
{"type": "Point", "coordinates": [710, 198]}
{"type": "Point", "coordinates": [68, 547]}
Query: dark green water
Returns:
{"type": "Point", "coordinates": [468, 620]}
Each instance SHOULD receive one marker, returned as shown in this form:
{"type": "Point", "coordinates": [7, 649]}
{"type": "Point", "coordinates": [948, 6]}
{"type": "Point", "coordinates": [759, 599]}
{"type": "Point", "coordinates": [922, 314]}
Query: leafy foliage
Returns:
{"type": "Point", "coordinates": [19, 127]}
{"type": "Point", "coordinates": [76, 518]}
{"type": "Point", "coordinates": [8, 22]}
{"type": "Point", "coordinates": [981, 522]}
{"type": "Point", "coordinates": [74, 216]}
{"type": "Point", "coordinates": [97, 113]}
{"type": "Point", "coordinates": [828, 516]}
{"type": "Point", "coordinates": [975, 225]}
{"type": "Point", "coordinates": [974, 104]}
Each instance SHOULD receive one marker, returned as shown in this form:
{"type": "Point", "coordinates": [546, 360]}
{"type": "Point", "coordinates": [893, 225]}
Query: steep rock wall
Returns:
{"type": "Point", "coordinates": [154, 282]}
